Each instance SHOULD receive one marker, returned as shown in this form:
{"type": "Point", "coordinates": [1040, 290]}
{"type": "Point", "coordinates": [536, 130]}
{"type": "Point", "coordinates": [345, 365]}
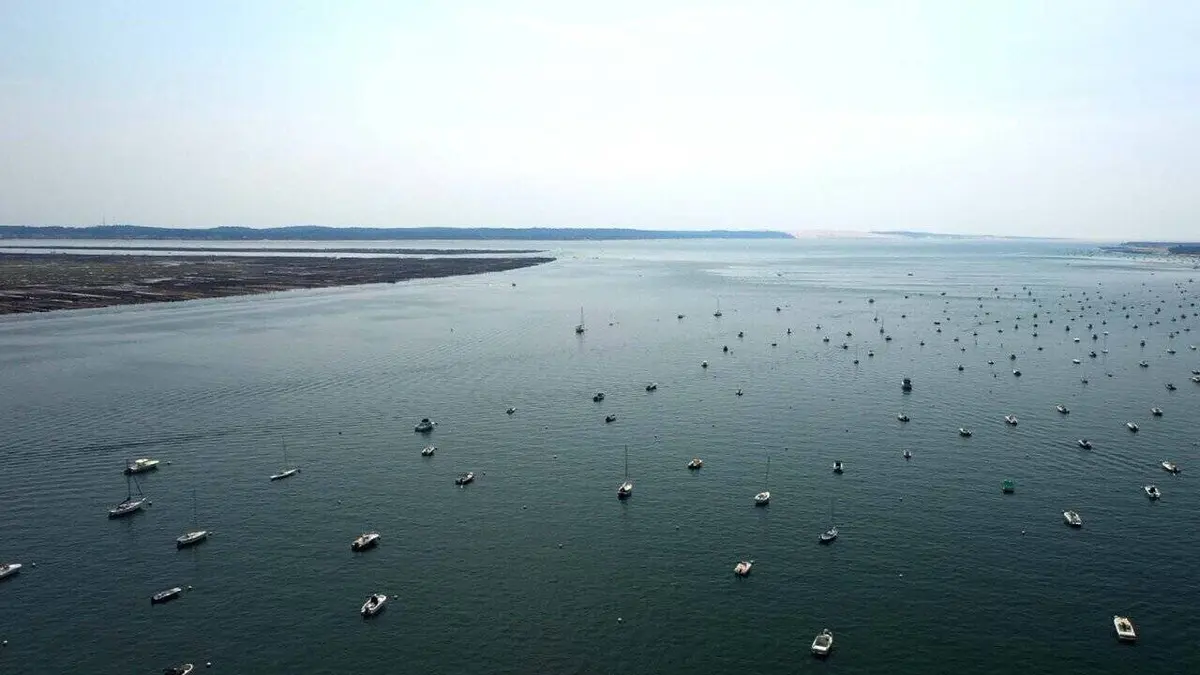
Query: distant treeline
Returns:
{"type": "Point", "coordinates": [1183, 248]}
{"type": "Point", "coordinates": [320, 233]}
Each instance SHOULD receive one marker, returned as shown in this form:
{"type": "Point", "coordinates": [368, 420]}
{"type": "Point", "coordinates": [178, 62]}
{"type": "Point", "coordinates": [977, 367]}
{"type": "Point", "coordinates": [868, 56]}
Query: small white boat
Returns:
{"type": "Point", "coordinates": [696, 463]}
{"type": "Point", "coordinates": [738, 392]}
{"type": "Point", "coordinates": [424, 426]}
{"type": "Point", "coordinates": [510, 410]}
{"type": "Point", "coordinates": [1062, 409]}
{"type": "Point", "coordinates": [1072, 519]}
{"type": "Point", "coordinates": [902, 417]}
{"type": "Point", "coordinates": [828, 535]}
{"type": "Point", "coordinates": [141, 465]}
{"type": "Point", "coordinates": [822, 644]}
{"type": "Point", "coordinates": [1170, 386]}
{"type": "Point", "coordinates": [964, 432]}
{"type": "Point", "coordinates": [610, 418]}
{"type": "Point", "coordinates": [1085, 444]}
{"type": "Point", "coordinates": [763, 498]}
{"type": "Point", "coordinates": [1157, 412]}
{"type": "Point", "coordinates": [743, 568]}
{"type": "Point", "coordinates": [837, 466]}
{"type": "Point", "coordinates": [907, 454]}
{"type": "Point", "coordinates": [653, 386]}
{"type": "Point", "coordinates": [166, 596]}
{"type": "Point", "coordinates": [1131, 426]}
{"type": "Point", "coordinates": [625, 489]}
{"type": "Point", "coordinates": [365, 541]}
{"type": "Point", "coordinates": [9, 569]}
{"type": "Point", "coordinates": [191, 538]}
{"type": "Point", "coordinates": [1124, 627]}
{"type": "Point", "coordinates": [1196, 379]}
{"type": "Point", "coordinates": [905, 384]}
{"type": "Point", "coordinates": [1010, 420]}
{"type": "Point", "coordinates": [179, 670]}
{"type": "Point", "coordinates": [704, 364]}
{"type": "Point", "coordinates": [1143, 364]}
{"type": "Point", "coordinates": [465, 478]}
{"type": "Point", "coordinates": [131, 504]}
{"type": "Point", "coordinates": [1016, 372]}
{"type": "Point", "coordinates": [1152, 492]}
{"type": "Point", "coordinates": [1170, 467]}
{"type": "Point", "coordinates": [428, 450]}
{"type": "Point", "coordinates": [374, 604]}
{"type": "Point", "coordinates": [598, 396]}
{"type": "Point", "coordinates": [1076, 361]}
{"type": "Point", "coordinates": [286, 473]}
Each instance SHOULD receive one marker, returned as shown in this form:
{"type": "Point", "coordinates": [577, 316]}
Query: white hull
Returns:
{"type": "Point", "coordinates": [762, 499]}
{"type": "Point", "coordinates": [822, 644]}
{"type": "Point", "coordinates": [365, 541]}
{"type": "Point", "coordinates": [191, 538]}
{"type": "Point", "coordinates": [126, 508]}
{"type": "Point", "coordinates": [9, 570]}
{"type": "Point", "coordinates": [142, 466]}
{"type": "Point", "coordinates": [1071, 518]}
{"type": "Point", "coordinates": [1125, 629]}
{"type": "Point", "coordinates": [373, 605]}
{"type": "Point", "coordinates": [285, 474]}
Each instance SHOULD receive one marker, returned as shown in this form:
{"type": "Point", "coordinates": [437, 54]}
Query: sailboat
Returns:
{"type": "Point", "coordinates": [763, 498]}
{"type": "Point", "coordinates": [286, 472]}
{"type": "Point", "coordinates": [829, 535]}
{"type": "Point", "coordinates": [131, 504]}
{"type": "Point", "coordinates": [718, 312]}
{"type": "Point", "coordinates": [195, 536]}
{"type": "Point", "coordinates": [625, 489]}
{"type": "Point", "coordinates": [579, 329]}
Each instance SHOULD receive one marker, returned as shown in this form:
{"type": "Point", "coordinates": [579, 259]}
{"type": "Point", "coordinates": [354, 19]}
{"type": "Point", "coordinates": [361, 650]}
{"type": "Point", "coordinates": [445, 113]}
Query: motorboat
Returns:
{"type": "Point", "coordinates": [653, 386]}
{"type": "Point", "coordinates": [1008, 486]}
{"type": "Point", "coordinates": [763, 498]}
{"type": "Point", "coordinates": [696, 463]}
{"type": "Point", "coordinates": [166, 596]}
{"type": "Point", "coordinates": [1170, 386]}
{"type": "Point", "coordinates": [424, 426]}
{"type": "Point", "coordinates": [1072, 519]}
{"type": "Point", "coordinates": [465, 478]}
{"type": "Point", "coordinates": [141, 465]}
{"type": "Point", "coordinates": [1152, 491]}
{"type": "Point", "coordinates": [365, 541]}
{"type": "Point", "coordinates": [1157, 412]}
{"type": "Point", "coordinates": [1016, 373]}
{"type": "Point", "coordinates": [964, 432]}
{"type": "Point", "coordinates": [822, 644]}
{"type": "Point", "coordinates": [9, 570]}
{"type": "Point", "coordinates": [428, 450]}
{"type": "Point", "coordinates": [1143, 364]}
{"type": "Point", "coordinates": [510, 410]}
{"type": "Point", "coordinates": [1085, 444]}
{"type": "Point", "coordinates": [374, 604]}
{"type": "Point", "coordinates": [906, 384]}
{"type": "Point", "coordinates": [907, 454]}
{"type": "Point", "coordinates": [183, 669]}
{"type": "Point", "coordinates": [741, 334]}
{"type": "Point", "coordinates": [598, 396]}
{"type": "Point", "coordinates": [1076, 361]}
{"type": "Point", "coordinates": [837, 466]}
{"type": "Point", "coordinates": [1170, 467]}
{"type": "Point", "coordinates": [1196, 379]}
{"type": "Point", "coordinates": [1132, 426]}
{"type": "Point", "coordinates": [191, 538]}
{"type": "Point", "coordinates": [610, 418]}
{"type": "Point", "coordinates": [704, 364]}
{"type": "Point", "coordinates": [1062, 409]}
{"type": "Point", "coordinates": [738, 392]}
{"type": "Point", "coordinates": [1124, 627]}
{"type": "Point", "coordinates": [743, 568]}
{"type": "Point", "coordinates": [902, 417]}
{"type": "Point", "coordinates": [828, 536]}
{"type": "Point", "coordinates": [1010, 420]}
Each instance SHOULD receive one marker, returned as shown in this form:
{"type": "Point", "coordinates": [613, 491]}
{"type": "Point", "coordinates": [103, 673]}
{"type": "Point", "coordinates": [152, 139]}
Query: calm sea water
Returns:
{"type": "Point", "coordinates": [537, 568]}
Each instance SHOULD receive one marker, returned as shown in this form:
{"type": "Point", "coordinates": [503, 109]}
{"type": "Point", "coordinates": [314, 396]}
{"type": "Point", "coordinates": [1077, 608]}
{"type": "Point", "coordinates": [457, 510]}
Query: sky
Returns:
{"type": "Point", "coordinates": [1070, 118]}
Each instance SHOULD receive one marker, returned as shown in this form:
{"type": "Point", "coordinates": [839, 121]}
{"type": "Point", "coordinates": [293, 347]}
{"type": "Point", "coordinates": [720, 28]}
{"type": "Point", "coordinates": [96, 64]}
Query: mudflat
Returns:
{"type": "Point", "coordinates": [37, 282]}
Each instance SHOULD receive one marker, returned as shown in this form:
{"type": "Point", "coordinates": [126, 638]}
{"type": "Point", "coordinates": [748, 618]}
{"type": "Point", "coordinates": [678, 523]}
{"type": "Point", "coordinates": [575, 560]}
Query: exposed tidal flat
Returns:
{"type": "Point", "coordinates": [935, 570]}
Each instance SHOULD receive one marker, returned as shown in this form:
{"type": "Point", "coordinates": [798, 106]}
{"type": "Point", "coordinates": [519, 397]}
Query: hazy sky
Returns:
{"type": "Point", "coordinates": [1066, 118]}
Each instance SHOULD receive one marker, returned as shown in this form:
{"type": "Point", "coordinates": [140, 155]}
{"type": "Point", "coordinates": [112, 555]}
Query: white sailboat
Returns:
{"type": "Point", "coordinates": [763, 498]}
{"type": "Point", "coordinates": [131, 504]}
{"type": "Point", "coordinates": [625, 489]}
{"type": "Point", "coordinates": [832, 533]}
{"type": "Point", "coordinates": [196, 535]}
{"type": "Point", "coordinates": [718, 312]}
{"type": "Point", "coordinates": [579, 329]}
{"type": "Point", "coordinates": [286, 471]}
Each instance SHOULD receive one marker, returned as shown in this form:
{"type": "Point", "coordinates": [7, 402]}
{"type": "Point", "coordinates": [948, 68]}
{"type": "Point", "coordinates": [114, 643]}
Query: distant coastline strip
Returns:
{"type": "Point", "coordinates": [321, 233]}
{"type": "Point", "coordinates": [44, 282]}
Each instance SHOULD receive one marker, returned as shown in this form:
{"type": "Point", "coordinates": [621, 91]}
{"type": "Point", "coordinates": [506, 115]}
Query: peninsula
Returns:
{"type": "Point", "coordinates": [43, 282]}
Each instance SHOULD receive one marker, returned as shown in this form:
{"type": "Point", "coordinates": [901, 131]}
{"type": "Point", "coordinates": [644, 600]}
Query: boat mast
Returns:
{"type": "Point", "coordinates": [767, 478]}
{"type": "Point", "coordinates": [627, 462]}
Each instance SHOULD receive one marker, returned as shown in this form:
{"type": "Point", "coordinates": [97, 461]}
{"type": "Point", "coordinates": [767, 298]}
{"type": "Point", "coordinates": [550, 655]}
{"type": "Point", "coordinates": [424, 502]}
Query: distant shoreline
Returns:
{"type": "Point", "coordinates": [1156, 248]}
{"type": "Point", "coordinates": [269, 249]}
{"type": "Point", "coordinates": [321, 233]}
{"type": "Point", "coordinates": [44, 282]}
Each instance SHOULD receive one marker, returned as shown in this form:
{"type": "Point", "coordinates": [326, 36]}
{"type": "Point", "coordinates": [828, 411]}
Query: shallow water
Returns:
{"type": "Point", "coordinates": [528, 569]}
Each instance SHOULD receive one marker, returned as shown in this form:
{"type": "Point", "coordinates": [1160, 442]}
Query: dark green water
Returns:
{"type": "Point", "coordinates": [529, 569]}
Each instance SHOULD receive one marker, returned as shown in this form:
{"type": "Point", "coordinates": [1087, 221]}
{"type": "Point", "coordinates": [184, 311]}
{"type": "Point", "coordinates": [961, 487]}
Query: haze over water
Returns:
{"type": "Point", "coordinates": [528, 569]}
